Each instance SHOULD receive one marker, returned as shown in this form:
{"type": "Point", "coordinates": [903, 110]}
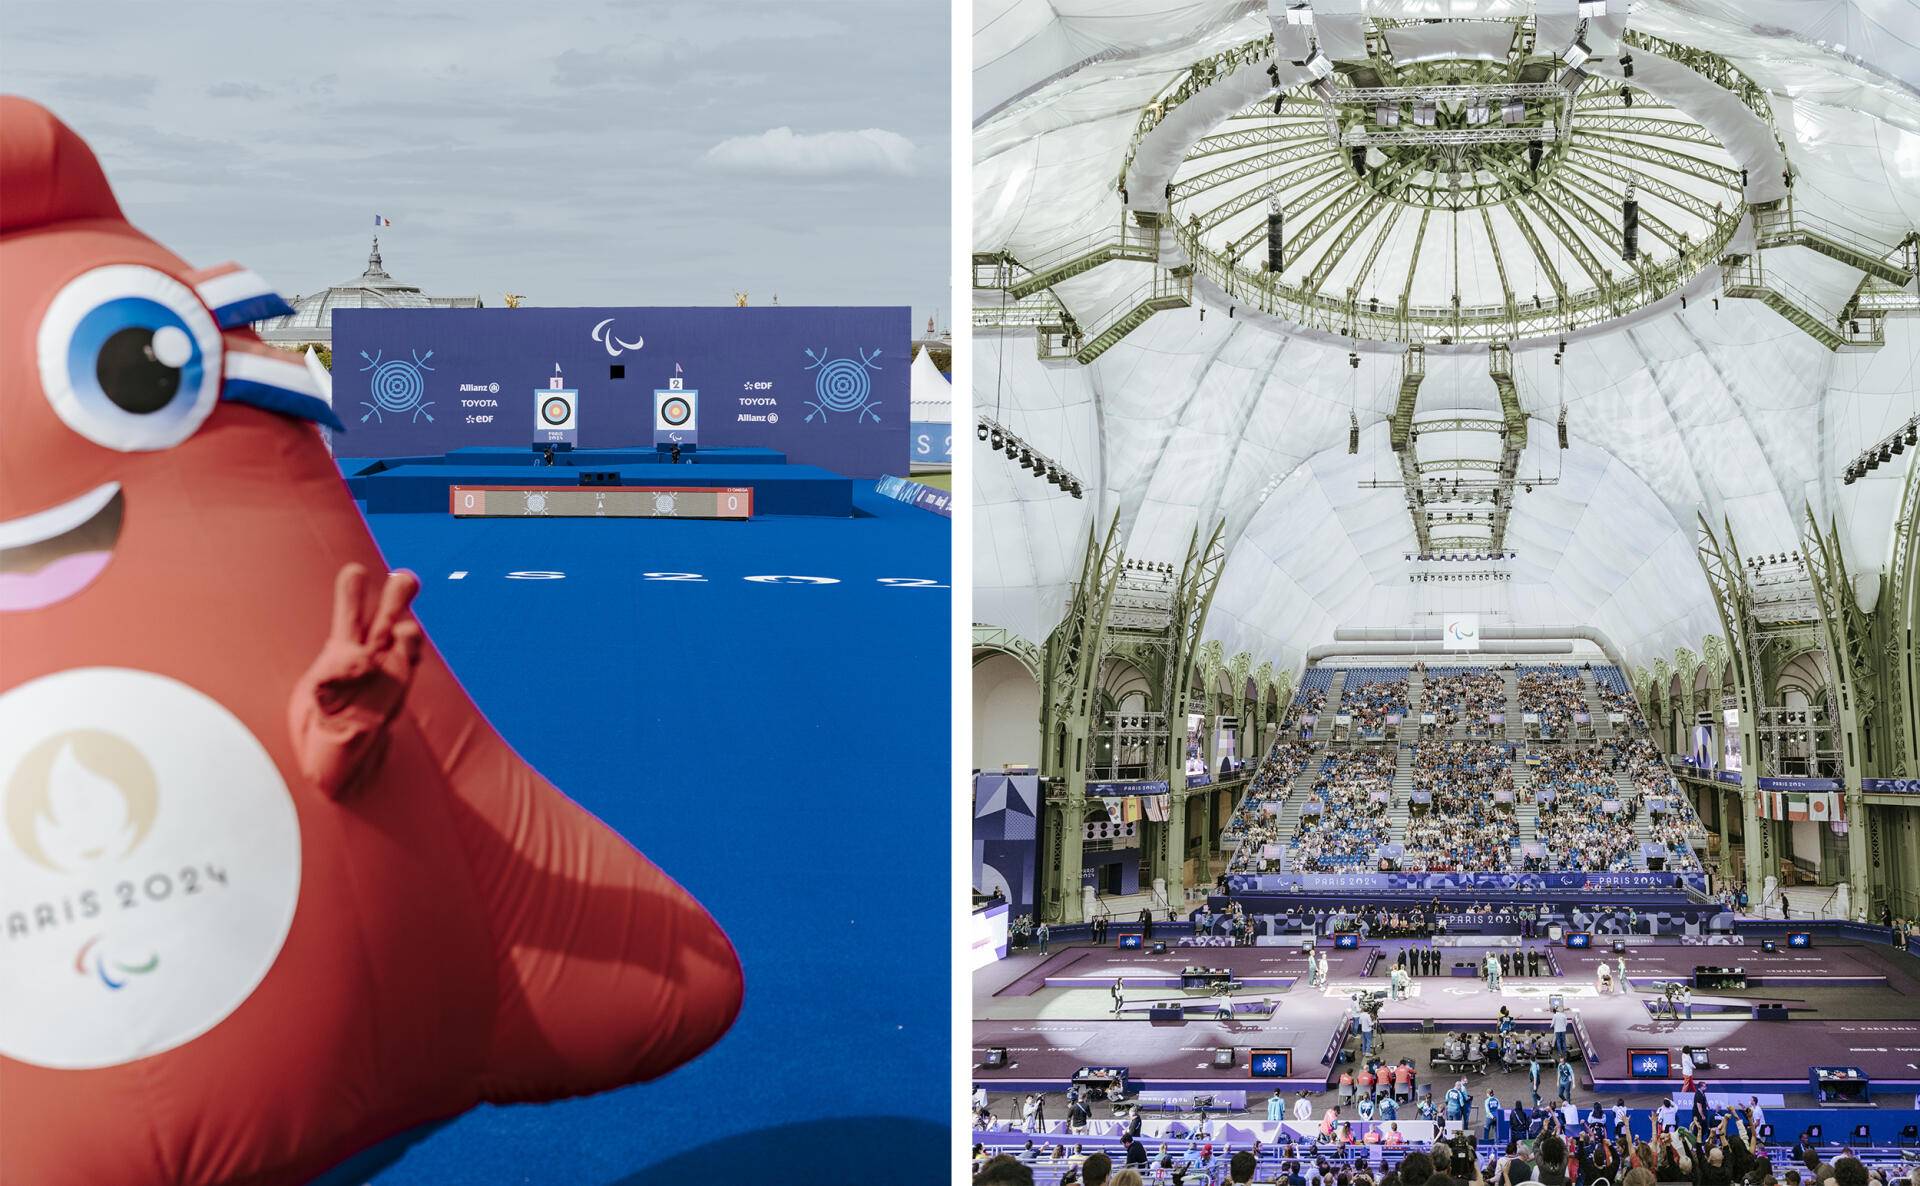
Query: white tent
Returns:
{"type": "Point", "coordinates": [1721, 408]}
{"type": "Point", "coordinates": [932, 394]}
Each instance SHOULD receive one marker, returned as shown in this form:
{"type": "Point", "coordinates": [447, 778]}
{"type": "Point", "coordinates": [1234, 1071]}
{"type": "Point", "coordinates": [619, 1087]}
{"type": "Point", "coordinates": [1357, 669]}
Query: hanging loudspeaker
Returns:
{"type": "Point", "coordinates": [1276, 257]}
{"type": "Point", "coordinates": [1630, 229]}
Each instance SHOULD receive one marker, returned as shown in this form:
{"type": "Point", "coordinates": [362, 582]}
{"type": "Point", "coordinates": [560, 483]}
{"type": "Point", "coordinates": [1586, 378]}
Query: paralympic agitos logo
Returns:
{"type": "Point", "coordinates": [82, 803]}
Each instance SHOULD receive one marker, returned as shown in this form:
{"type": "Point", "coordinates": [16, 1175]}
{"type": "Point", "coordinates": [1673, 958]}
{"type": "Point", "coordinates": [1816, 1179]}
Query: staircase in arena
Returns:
{"type": "Point", "coordinates": [1782, 226]}
{"type": "Point", "coordinates": [1141, 244]}
{"type": "Point", "coordinates": [1590, 687]}
{"type": "Point", "coordinates": [1296, 796]}
{"type": "Point", "coordinates": [1642, 821]}
{"type": "Point", "coordinates": [1526, 815]}
{"type": "Point", "coordinates": [1399, 806]}
{"type": "Point", "coordinates": [1323, 728]}
{"type": "Point", "coordinates": [1515, 731]}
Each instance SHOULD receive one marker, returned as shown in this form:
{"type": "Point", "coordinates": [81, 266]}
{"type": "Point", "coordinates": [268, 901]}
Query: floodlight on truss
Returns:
{"type": "Point", "coordinates": [1299, 14]}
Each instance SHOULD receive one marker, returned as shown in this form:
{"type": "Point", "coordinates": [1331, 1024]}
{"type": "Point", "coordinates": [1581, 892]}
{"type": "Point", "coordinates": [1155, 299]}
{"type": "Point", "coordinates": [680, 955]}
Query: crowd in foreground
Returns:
{"type": "Point", "coordinates": [1566, 1147]}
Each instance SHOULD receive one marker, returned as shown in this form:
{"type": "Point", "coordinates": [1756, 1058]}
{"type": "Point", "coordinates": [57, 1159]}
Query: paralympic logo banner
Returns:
{"type": "Point", "coordinates": [826, 386]}
{"type": "Point", "coordinates": [1461, 633]}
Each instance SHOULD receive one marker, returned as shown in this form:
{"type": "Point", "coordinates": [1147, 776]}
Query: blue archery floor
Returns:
{"type": "Point", "coordinates": [780, 748]}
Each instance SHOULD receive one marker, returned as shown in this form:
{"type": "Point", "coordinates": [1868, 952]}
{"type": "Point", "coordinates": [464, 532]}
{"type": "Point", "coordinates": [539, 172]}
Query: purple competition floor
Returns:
{"type": "Point", "coordinates": [1054, 1015]}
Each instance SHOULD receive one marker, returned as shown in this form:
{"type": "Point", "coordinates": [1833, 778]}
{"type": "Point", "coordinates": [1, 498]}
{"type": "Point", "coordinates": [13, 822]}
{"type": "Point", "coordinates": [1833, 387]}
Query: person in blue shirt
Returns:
{"type": "Point", "coordinates": [1388, 1109]}
{"type": "Point", "coordinates": [1366, 1108]}
{"type": "Point", "coordinates": [1566, 1081]}
{"type": "Point", "coordinates": [1492, 1130]}
{"type": "Point", "coordinates": [1533, 1078]}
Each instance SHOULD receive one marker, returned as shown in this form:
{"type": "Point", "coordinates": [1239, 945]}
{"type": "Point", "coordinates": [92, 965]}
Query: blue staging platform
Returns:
{"type": "Point", "coordinates": [419, 485]}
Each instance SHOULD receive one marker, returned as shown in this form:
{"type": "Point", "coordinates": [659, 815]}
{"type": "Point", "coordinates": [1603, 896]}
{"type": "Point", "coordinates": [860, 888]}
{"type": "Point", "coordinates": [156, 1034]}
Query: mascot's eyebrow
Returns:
{"type": "Point", "coordinates": [238, 297]}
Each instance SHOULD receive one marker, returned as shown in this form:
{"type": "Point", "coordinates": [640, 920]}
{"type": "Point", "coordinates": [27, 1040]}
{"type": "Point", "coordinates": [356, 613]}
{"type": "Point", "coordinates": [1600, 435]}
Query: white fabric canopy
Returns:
{"type": "Point", "coordinates": [1197, 417]}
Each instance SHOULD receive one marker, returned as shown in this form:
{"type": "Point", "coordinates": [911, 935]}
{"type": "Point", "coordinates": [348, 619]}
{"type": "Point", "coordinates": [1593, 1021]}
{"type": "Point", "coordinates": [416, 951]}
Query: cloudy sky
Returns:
{"type": "Point", "coordinates": [581, 152]}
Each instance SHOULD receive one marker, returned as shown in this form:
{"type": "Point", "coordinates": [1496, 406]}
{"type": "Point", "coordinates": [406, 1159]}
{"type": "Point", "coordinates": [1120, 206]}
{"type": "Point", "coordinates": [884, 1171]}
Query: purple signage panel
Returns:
{"type": "Point", "coordinates": [826, 386]}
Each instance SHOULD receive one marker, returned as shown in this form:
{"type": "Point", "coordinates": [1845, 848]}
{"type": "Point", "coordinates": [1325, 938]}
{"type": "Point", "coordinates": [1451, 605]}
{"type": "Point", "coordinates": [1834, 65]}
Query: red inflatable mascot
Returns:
{"type": "Point", "coordinates": [273, 890]}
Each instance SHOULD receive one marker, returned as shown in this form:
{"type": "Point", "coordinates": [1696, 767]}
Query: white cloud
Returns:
{"type": "Point", "coordinates": [782, 150]}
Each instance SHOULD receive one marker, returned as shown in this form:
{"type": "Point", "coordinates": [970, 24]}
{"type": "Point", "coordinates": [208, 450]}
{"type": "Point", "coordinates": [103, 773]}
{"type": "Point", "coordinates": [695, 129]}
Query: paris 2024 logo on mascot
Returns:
{"type": "Point", "coordinates": [272, 890]}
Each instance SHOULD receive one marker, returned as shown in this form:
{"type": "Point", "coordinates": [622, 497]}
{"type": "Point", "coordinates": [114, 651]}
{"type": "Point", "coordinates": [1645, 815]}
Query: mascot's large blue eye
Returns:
{"type": "Point", "coordinates": [130, 358]}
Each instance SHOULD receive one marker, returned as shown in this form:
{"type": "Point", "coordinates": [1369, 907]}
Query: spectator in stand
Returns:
{"type": "Point", "coordinates": [1004, 1170]}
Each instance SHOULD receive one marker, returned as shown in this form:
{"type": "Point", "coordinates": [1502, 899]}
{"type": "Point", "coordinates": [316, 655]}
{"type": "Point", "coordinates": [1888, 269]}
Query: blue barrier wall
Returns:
{"type": "Point", "coordinates": [826, 386]}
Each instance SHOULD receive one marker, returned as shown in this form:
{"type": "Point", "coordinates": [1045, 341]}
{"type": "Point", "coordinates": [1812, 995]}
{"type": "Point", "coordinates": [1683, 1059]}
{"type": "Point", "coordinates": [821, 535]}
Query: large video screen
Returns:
{"type": "Point", "coordinates": [1196, 743]}
{"type": "Point", "coordinates": [989, 934]}
{"type": "Point", "coordinates": [1224, 758]}
{"type": "Point", "coordinates": [1649, 1064]}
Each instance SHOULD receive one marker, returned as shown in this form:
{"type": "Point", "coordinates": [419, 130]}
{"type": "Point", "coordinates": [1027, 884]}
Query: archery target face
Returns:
{"type": "Point", "coordinates": [676, 411]}
{"type": "Point", "coordinates": [555, 411]}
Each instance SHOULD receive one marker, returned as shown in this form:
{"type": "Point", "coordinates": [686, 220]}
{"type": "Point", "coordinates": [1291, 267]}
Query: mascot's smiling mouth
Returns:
{"type": "Point", "coordinates": [50, 556]}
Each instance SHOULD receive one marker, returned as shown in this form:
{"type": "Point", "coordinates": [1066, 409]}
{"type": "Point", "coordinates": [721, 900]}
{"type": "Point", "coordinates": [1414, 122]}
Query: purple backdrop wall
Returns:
{"type": "Point", "coordinates": [448, 378]}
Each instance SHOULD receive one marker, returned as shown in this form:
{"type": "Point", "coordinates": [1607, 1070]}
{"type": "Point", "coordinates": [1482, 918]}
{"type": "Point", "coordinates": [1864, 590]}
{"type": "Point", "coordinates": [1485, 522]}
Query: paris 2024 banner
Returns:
{"type": "Point", "coordinates": [826, 386]}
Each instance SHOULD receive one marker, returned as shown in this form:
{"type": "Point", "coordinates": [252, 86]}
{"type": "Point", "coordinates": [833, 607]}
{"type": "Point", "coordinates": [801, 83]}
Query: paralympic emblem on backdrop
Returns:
{"type": "Point", "coordinates": [1460, 631]}
{"type": "Point", "coordinates": [841, 385]}
{"type": "Point", "coordinates": [615, 346]}
{"type": "Point", "coordinates": [397, 387]}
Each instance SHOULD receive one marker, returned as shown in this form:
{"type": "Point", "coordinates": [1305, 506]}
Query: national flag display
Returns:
{"type": "Point", "coordinates": [1796, 807]}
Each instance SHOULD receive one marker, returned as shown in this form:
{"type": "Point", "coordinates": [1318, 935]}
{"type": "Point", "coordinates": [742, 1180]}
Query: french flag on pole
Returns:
{"type": "Point", "coordinates": [380, 222]}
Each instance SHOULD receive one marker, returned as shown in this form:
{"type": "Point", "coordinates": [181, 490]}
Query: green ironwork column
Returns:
{"type": "Point", "coordinates": [1720, 560]}
{"type": "Point", "coordinates": [1073, 654]}
{"type": "Point", "coordinates": [1192, 598]}
{"type": "Point", "coordinates": [1848, 637]}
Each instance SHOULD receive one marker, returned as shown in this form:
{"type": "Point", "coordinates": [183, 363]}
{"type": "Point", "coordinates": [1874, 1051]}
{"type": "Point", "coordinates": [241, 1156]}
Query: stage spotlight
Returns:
{"type": "Point", "coordinates": [1886, 454]}
{"type": "Point", "coordinates": [1076, 490]}
{"type": "Point", "coordinates": [1848, 479]}
{"type": "Point", "coordinates": [1012, 450]}
{"type": "Point", "coordinates": [1299, 14]}
{"type": "Point", "coordinates": [996, 441]}
{"type": "Point", "coordinates": [1592, 9]}
{"type": "Point", "coordinates": [1424, 114]}
{"type": "Point", "coordinates": [980, 431]}
{"type": "Point", "coordinates": [1318, 64]}
{"type": "Point", "coordinates": [1513, 111]}
{"type": "Point", "coordinates": [1913, 434]}
{"type": "Point", "coordinates": [1387, 115]}
{"type": "Point", "coordinates": [1573, 78]}
{"type": "Point", "coordinates": [1576, 55]}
